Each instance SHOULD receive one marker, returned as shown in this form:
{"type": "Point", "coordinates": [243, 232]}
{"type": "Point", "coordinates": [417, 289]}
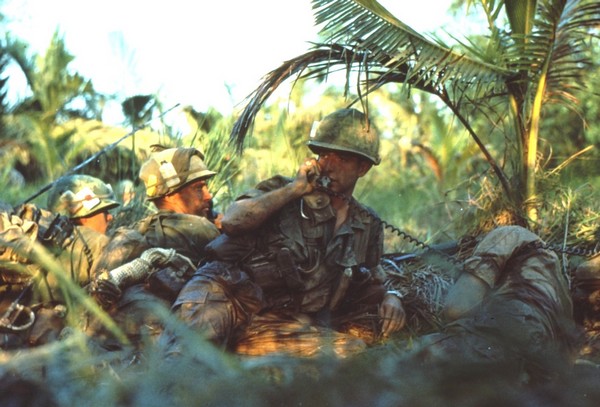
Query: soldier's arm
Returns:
{"type": "Point", "coordinates": [247, 214]}
{"type": "Point", "coordinates": [484, 268]}
{"type": "Point", "coordinates": [463, 296]}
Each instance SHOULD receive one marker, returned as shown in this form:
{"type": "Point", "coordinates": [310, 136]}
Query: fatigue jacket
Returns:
{"type": "Point", "coordinates": [526, 283]}
{"type": "Point", "coordinates": [525, 318]}
{"type": "Point", "coordinates": [76, 260]}
{"type": "Point", "coordinates": [296, 257]}
{"type": "Point", "coordinates": [75, 253]}
{"type": "Point", "coordinates": [187, 234]}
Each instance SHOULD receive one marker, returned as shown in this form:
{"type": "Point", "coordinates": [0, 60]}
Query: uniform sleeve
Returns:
{"type": "Point", "coordinates": [368, 243]}
{"type": "Point", "coordinates": [375, 249]}
{"type": "Point", "coordinates": [123, 246]}
{"type": "Point", "coordinates": [495, 250]}
{"type": "Point", "coordinates": [268, 185]}
{"type": "Point", "coordinates": [188, 234]}
{"type": "Point", "coordinates": [16, 237]}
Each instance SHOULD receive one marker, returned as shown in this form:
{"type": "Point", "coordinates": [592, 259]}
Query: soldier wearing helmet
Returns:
{"type": "Point", "coordinates": [346, 130]}
{"type": "Point", "coordinates": [175, 180]}
{"type": "Point", "coordinates": [73, 229]}
{"type": "Point", "coordinates": [303, 263]}
{"type": "Point", "coordinates": [84, 199]}
{"type": "Point", "coordinates": [176, 183]}
{"type": "Point", "coordinates": [509, 306]}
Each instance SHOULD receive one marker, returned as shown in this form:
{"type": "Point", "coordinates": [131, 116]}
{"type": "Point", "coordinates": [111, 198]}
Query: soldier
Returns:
{"type": "Point", "coordinates": [74, 231]}
{"type": "Point", "coordinates": [586, 305]}
{"type": "Point", "coordinates": [176, 183]}
{"type": "Point", "coordinates": [297, 270]}
{"type": "Point", "coordinates": [511, 305]}
{"type": "Point", "coordinates": [85, 200]}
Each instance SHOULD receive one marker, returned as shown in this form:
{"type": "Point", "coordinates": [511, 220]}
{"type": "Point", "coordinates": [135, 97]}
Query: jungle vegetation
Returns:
{"type": "Point", "coordinates": [497, 128]}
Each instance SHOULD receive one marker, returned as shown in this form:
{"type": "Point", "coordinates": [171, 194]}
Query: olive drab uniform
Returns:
{"type": "Point", "coordinates": [167, 171]}
{"type": "Point", "coordinates": [586, 301]}
{"type": "Point", "coordinates": [524, 320]}
{"type": "Point", "coordinates": [135, 311]}
{"type": "Point", "coordinates": [16, 274]}
{"type": "Point", "coordinates": [74, 197]}
{"type": "Point", "coordinates": [293, 285]}
{"type": "Point", "coordinates": [75, 250]}
{"type": "Point", "coordinates": [186, 233]}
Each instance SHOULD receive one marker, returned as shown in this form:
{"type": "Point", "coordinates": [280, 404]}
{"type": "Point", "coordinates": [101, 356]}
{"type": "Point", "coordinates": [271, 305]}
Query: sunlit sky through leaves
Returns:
{"type": "Point", "coordinates": [199, 53]}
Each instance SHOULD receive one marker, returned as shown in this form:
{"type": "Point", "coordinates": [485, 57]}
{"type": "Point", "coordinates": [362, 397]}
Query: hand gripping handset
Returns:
{"type": "Point", "coordinates": [315, 178]}
{"type": "Point", "coordinates": [318, 198]}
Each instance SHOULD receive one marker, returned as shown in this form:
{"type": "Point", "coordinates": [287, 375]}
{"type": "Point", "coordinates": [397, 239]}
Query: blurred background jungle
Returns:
{"type": "Point", "coordinates": [455, 163]}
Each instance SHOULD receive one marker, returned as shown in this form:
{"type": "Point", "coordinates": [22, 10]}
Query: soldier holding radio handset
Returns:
{"type": "Point", "coordinates": [296, 269]}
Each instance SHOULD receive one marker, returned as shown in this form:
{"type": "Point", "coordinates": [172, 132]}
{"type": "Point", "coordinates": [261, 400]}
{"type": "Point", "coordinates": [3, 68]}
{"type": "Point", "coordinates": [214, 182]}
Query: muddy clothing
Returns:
{"type": "Point", "coordinates": [136, 311]}
{"type": "Point", "coordinates": [78, 259]}
{"type": "Point", "coordinates": [525, 318]}
{"type": "Point", "coordinates": [188, 234]}
{"type": "Point", "coordinates": [586, 298]}
{"type": "Point", "coordinates": [39, 290]}
{"type": "Point", "coordinates": [293, 272]}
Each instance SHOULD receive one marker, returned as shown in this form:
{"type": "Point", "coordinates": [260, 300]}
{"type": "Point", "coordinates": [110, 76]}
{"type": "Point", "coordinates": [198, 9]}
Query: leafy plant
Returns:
{"type": "Point", "coordinates": [54, 94]}
{"type": "Point", "coordinates": [540, 58]}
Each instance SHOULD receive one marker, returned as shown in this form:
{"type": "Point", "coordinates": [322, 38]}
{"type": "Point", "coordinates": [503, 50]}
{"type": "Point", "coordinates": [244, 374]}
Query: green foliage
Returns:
{"type": "Point", "coordinates": [75, 373]}
{"type": "Point", "coordinates": [33, 122]}
{"type": "Point", "coordinates": [537, 53]}
{"type": "Point", "coordinates": [433, 183]}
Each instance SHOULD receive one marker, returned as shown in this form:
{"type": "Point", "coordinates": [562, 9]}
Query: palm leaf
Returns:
{"type": "Point", "coordinates": [384, 47]}
{"type": "Point", "coordinates": [368, 26]}
{"type": "Point", "coordinates": [540, 60]}
{"type": "Point", "coordinates": [321, 59]}
{"type": "Point", "coordinates": [567, 24]}
{"type": "Point", "coordinates": [394, 53]}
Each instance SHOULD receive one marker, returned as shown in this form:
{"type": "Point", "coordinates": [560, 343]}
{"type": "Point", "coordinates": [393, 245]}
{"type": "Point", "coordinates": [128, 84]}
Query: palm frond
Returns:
{"type": "Point", "coordinates": [362, 36]}
{"type": "Point", "coordinates": [566, 25]}
{"type": "Point", "coordinates": [322, 60]}
{"type": "Point", "coordinates": [366, 25]}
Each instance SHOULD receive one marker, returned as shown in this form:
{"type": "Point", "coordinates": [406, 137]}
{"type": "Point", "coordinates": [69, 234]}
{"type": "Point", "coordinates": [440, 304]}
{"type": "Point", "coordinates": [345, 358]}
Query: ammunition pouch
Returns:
{"type": "Point", "coordinates": [272, 272]}
{"type": "Point", "coordinates": [361, 275]}
{"type": "Point", "coordinates": [16, 274]}
{"type": "Point", "coordinates": [230, 249]}
{"type": "Point", "coordinates": [167, 282]}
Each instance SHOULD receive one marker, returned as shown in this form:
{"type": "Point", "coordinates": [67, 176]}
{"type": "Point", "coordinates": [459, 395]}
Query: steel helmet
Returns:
{"type": "Point", "coordinates": [79, 196]}
{"type": "Point", "coordinates": [346, 130]}
{"type": "Point", "coordinates": [168, 170]}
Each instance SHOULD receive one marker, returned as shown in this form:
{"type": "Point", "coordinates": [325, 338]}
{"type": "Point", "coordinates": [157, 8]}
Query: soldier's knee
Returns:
{"type": "Point", "coordinates": [207, 309]}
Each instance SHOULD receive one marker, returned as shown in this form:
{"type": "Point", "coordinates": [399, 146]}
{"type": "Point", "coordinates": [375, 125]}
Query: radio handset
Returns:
{"type": "Point", "coordinates": [323, 182]}
{"type": "Point", "coordinates": [318, 198]}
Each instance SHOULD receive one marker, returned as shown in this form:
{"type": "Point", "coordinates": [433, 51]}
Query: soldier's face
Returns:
{"type": "Point", "coordinates": [195, 198]}
{"type": "Point", "coordinates": [342, 168]}
{"type": "Point", "coordinates": [99, 222]}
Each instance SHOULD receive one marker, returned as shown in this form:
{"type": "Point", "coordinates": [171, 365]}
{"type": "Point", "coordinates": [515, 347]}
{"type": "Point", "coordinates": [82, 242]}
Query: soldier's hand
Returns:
{"type": "Point", "coordinates": [105, 292]}
{"type": "Point", "coordinates": [306, 175]}
{"type": "Point", "coordinates": [392, 314]}
{"type": "Point", "coordinates": [182, 264]}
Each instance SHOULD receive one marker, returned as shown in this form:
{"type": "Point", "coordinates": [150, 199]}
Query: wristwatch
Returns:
{"type": "Point", "coordinates": [395, 293]}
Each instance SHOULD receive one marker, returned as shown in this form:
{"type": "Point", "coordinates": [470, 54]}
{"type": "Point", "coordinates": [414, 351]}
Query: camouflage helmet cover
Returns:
{"type": "Point", "coordinates": [346, 130]}
{"type": "Point", "coordinates": [80, 196]}
{"type": "Point", "coordinates": [169, 170]}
